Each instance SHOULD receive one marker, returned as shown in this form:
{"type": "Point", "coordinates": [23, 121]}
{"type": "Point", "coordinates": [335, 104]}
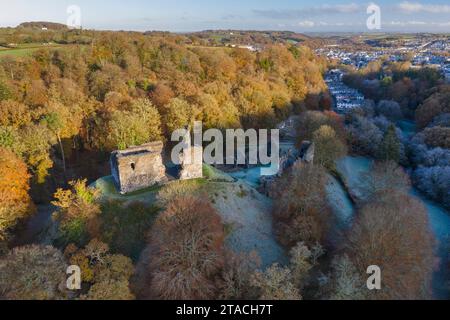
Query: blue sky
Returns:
{"type": "Point", "coordinates": [195, 15]}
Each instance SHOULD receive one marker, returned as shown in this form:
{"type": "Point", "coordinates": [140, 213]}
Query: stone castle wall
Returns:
{"type": "Point", "coordinates": [193, 168]}
{"type": "Point", "coordinates": [138, 167]}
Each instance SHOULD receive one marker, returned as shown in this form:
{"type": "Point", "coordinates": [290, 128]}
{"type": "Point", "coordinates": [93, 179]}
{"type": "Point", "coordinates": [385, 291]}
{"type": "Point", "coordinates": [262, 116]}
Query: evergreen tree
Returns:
{"type": "Point", "coordinates": [390, 146]}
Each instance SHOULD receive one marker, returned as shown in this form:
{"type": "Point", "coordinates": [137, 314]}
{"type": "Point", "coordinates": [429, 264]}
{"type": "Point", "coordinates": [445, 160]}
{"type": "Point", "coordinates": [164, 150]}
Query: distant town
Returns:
{"type": "Point", "coordinates": [422, 52]}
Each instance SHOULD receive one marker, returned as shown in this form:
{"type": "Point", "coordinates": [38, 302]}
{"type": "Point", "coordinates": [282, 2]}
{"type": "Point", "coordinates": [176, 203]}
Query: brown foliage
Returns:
{"type": "Point", "coordinates": [386, 177]}
{"type": "Point", "coordinates": [301, 210]}
{"type": "Point", "coordinates": [437, 137]}
{"type": "Point", "coordinates": [393, 233]}
{"type": "Point", "coordinates": [161, 95]}
{"type": "Point", "coordinates": [187, 251]}
{"type": "Point", "coordinates": [32, 273]}
{"type": "Point", "coordinates": [435, 105]}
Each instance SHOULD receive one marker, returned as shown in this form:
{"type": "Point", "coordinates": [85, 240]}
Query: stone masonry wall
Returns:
{"type": "Point", "coordinates": [138, 167]}
{"type": "Point", "coordinates": [192, 169]}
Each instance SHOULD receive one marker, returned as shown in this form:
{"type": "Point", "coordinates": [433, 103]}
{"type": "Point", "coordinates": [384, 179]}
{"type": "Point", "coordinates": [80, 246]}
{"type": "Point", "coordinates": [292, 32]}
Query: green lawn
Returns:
{"type": "Point", "coordinates": [25, 50]}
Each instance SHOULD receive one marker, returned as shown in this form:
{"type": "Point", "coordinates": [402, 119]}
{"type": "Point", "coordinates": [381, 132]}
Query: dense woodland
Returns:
{"type": "Point", "coordinates": [125, 89]}
{"type": "Point", "coordinates": [63, 110]}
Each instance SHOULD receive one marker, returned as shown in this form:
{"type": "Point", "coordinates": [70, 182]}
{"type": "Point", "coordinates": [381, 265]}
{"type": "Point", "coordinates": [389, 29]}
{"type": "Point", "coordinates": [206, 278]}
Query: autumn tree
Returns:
{"type": "Point", "coordinates": [34, 143]}
{"type": "Point", "coordinates": [218, 116]}
{"type": "Point", "coordinates": [393, 233]}
{"type": "Point", "coordinates": [5, 92]}
{"type": "Point", "coordinates": [437, 137]}
{"type": "Point", "coordinates": [435, 105]}
{"type": "Point", "coordinates": [33, 273]}
{"type": "Point", "coordinates": [386, 177]}
{"type": "Point", "coordinates": [15, 203]}
{"type": "Point", "coordinates": [328, 147]}
{"type": "Point", "coordinates": [301, 212]}
{"type": "Point", "coordinates": [14, 114]}
{"type": "Point", "coordinates": [302, 260]}
{"type": "Point", "coordinates": [107, 275]}
{"type": "Point", "coordinates": [138, 125]}
{"type": "Point", "coordinates": [54, 122]}
{"type": "Point", "coordinates": [161, 95]}
{"type": "Point", "coordinates": [187, 254]}
{"type": "Point", "coordinates": [77, 213]}
{"type": "Point", "coordinates": [235, 283]}
{"type": "Point", "coordinates": [311, 121]}
{"type": "Point", "coordinates": [178, 115]}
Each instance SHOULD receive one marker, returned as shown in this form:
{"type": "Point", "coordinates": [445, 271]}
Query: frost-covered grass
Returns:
{"type": "Point", "coordinates": [109, 191]}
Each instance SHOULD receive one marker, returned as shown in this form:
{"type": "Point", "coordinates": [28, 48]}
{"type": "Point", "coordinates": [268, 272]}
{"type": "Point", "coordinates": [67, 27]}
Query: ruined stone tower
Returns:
{"type": "Point", "coordinates": [138, 168]}
{"type": "Point", "coordinates": [192, 166]}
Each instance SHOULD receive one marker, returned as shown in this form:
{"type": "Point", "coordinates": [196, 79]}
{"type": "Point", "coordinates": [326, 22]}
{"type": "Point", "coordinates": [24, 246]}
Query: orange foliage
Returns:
{"type": "Point", "coordinates": [13, 179]}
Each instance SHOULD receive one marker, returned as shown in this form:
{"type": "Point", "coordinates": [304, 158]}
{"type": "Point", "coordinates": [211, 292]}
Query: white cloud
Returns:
{"type": "Point", "coordinates": [306, 24]}
{"type": "Point", "coordinates": [416, 7]}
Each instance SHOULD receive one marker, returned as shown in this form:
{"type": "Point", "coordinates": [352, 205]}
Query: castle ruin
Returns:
{"type": "Point", "coordinates": [141, 167]}
{"type": "Point", "coordinates": [138, 168]}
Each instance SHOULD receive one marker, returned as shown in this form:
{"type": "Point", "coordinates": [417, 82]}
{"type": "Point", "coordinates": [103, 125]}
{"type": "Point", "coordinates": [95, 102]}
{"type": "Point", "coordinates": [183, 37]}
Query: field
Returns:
{"type": "Point", "coordinates": [24, 50]}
